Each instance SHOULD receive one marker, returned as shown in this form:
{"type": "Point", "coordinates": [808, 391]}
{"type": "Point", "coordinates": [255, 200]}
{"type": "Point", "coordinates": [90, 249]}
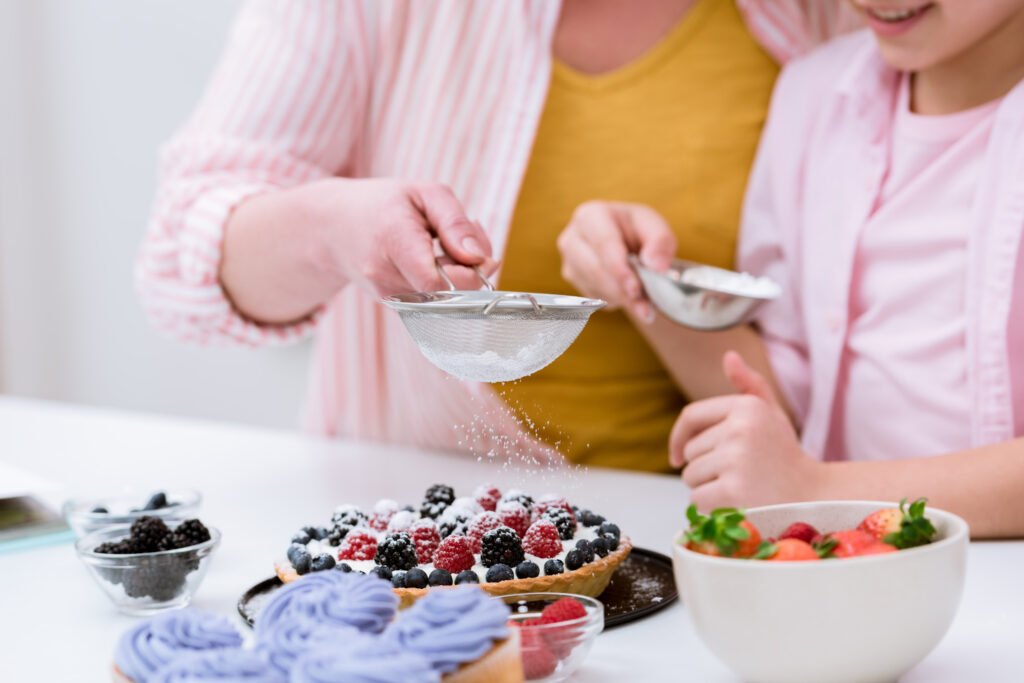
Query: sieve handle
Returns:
{"type": "Point", "coordinates": [537, 308]}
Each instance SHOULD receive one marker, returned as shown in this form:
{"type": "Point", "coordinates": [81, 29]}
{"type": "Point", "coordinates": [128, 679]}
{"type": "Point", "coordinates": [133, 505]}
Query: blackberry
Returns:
{"type": "Point", "coordinates": [583, 545]}
{"type": "Point", "coordinates": [147, 533]}
{"type": "Point", "coordinates": [453, 522]}
{"type": "Point", "coordinates": [518, 497]}
{"type": "Point", "coordinates": [440, 577]}
{"type": "Point", "coordinates": [349, 515]}
{"type": "Point", "coordinates": [440, 493]}
{"type": "Point", "coordinates": [527, 570]}
{"type": "Point", "coordinates": [157, 501]}
{"type": "Point", "coordinates": [337, 534]}
{"type": "Point", "coordinates": [191, 532]}
{"type": "Point", "coordinates": [344, 567]}
{"type": "Point", "coordinates": [588, 518]}
{"type": "Point", "coordinates": [321, 562]}
{"type": "Point", "coordinates": [301, 537]}
{"type": "Point", "coordinates": [416, 578]}
{"type": "Point", "coordinates": [381, 572]}
{"type": "Point", "coordinates": [609, 528]}
{"type": "Point", "coordinates": [398, 579]}
{"type": "Point", "coordinates": [553, 567]}
{"type": "Point", "coordinates": [500, 572]}
{"type": "Point", "coordinates": [600, 546]}
{"type": "Point", "coordinates": [467, 576]}
{"type": "Point", "coordinates": [122, 547]}
{"type": "Point", "coordinates": [563, 521]}
{"type": "Point", "coordinates": [396, 551]}
{"type": "Point", "coordinates": [433, 510]}
{"type": "Point", "coordinates": [501, 546]}
{"type": "Point", "coordinates": [161, 577]}
{"type": "Point", "coordinates": [573, 560]}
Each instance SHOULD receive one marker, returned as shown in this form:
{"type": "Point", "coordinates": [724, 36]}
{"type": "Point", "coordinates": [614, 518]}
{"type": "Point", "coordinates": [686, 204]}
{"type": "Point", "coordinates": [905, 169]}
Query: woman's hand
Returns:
{"type": "Point", "coordinates": [597, 242]}
{"type": "Point", "coordinates": [741, 449]}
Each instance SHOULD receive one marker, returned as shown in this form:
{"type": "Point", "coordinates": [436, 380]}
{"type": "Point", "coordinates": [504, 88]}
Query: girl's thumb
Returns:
{"type": "Point", "coordinates": [745, 379]}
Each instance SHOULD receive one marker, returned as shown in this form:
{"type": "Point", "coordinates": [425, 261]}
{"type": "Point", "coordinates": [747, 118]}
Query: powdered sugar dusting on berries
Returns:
{"type": "Point", "coordinates": [514, 516]}
{"type": "Point", "coordinates": [402, 520]}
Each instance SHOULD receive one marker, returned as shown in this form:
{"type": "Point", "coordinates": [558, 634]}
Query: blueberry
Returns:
{"type": "Point", "coordinates": [609, 528]}
{"type": "Point", "coordinates": [415, 578]}
{"type": "Point", "coordinates": [343, 567]}
{"type": "Point", "coordinates": [309, 531]}
{"type": "Point", "coordinates": [527, 570]}
{"type": "Point", "coordinates": [382, 572]}
{"type": "Point", "coordinates": [600, 546]}
{"type": "Point", "coordinates": [398, 579]}
{"type": "Point", "coordinates": [588, 518]}
{"type": "Point", "coordinates": [440, 577]}
{"type": "Point", "coordinates": [321, 533]}
{"type": "Point", "coordinates": [573, 559]}
{"type": "Point", "coordinates": [294, 550]}
{"type": "Point", "coordinates": [99, 510]}
{"type": "Point", "coordinates": [321, 562]}
{"type": "Point", "coordinates": [499, 572]}
{"type": "Point", "coordinates": [553, 567]}
{"type": "Point", "coordinates": [302, 562]}
{"type": "Point", "coordinates": [301, 537]}
{"type": "Point", "coordinates": [156, 501]}
{"type": "Point", "coordinates": [583, 545]}
{"type": "Point", "coordinates": [467, 576]}
{"type": "Point", "coordinates": [612, 540]}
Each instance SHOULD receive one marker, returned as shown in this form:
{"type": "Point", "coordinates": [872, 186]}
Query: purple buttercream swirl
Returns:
{"type": "Point", "coordinates": [451, 626]}
{"type": "Point", "coordinates": [222, 666]}
{"type": "Point", "coordinates": [149, 645]}
{"type": "Point", "coordinates": [362, 602]}
{"type": "Point", "coordinates": [369, 660]}
{"type": "Point", "coordinates": [285, 640]}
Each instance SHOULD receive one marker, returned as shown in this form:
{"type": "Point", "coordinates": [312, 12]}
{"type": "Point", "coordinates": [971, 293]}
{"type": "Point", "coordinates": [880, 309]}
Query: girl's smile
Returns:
{"type": "Point", "coordinates": [893, 21]}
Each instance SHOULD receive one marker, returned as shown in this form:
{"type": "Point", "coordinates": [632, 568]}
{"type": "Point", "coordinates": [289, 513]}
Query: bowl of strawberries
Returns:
{"type": "Point", "coordinates": [839, 591]}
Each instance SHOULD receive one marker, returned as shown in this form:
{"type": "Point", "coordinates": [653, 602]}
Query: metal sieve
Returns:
{"type": "Point", "coordinates": [488, 335]}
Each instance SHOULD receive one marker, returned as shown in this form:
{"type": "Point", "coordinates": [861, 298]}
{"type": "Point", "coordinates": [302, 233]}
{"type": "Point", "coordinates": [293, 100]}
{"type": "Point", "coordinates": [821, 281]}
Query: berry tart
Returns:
{"type": "Point", "coordinates": [508, 543]}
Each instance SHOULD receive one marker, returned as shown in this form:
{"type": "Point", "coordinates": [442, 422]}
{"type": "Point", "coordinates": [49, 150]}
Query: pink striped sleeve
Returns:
{"type": "Point", "coordinates": [283, 107]}
{"type": "Point", "coordinates": [790, 28]}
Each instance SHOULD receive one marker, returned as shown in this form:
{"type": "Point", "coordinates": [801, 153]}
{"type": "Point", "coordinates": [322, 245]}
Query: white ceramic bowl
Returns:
{"type": "Point", "coordinates": [856, 620]}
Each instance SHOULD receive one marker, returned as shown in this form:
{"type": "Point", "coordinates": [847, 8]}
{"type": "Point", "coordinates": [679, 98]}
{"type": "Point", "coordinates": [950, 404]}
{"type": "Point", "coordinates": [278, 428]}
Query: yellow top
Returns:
{"type": "Point", "coordinates": [675, 129]}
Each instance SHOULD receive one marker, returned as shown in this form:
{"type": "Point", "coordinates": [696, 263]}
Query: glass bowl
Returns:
{"type": "Point", "coordinates": [143, 583]}
{"type": "Point", "coordinates": [126, 508]}
{"type": "Point", "coordinates": [552, 652]}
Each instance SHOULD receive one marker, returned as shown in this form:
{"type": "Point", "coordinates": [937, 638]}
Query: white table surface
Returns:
{"type": "Point", "coordinates": [261, 485]}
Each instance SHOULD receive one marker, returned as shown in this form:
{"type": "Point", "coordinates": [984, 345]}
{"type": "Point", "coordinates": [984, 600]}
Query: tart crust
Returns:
{"type": "Point", "coordinates": [591, 579]}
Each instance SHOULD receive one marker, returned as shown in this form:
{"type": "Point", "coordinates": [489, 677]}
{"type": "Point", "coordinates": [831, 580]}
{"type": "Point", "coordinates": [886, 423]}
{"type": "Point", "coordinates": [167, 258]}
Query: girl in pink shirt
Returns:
{"type": "Point", "coordinates": [888, 201]}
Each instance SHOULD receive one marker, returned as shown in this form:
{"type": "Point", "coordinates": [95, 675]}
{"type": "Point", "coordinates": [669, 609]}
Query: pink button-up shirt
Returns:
{"type": "Point", "coordinates": [439, 90]}
{"type": "Point", "coordinates": [816, 184]}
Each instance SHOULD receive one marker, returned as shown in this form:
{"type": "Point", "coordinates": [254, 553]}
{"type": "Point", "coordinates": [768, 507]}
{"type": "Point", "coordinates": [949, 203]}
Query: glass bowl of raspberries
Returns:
{"type": "Point", "coordinates": [86, 515]}
{"type": "Point", "coordinates": [152, 564]}
{"type": "Point", "coordinates": [556, 631]}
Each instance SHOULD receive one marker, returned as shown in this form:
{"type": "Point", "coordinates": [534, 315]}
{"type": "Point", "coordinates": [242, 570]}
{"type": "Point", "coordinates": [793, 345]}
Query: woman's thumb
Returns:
{"type": "Point", "coordinates": [745, 379]}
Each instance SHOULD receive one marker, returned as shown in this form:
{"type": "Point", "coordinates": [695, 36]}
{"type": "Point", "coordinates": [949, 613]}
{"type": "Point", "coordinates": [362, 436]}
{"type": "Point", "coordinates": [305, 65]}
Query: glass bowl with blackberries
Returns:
{"type": "Point", "coordinates": [152, 564]}
{"type": "Point", "coordinates": [86, 515]}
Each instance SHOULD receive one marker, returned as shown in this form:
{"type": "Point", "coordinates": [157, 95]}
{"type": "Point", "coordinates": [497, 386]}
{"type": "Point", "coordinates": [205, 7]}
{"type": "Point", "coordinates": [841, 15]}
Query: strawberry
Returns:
{"type": "Point", "coordinates": [488, 496]}
{"type": "Point", "coordinates": [538, 659]}
{"type": "Point", "coordinates": [724, 532]}
{"type": "Point", "coordinates": [791, 550]}
{"type": "Point", "coordinates": [358, 545]}
{"type": "Point", "coordinates": [855, 543]}
{"type": "Point", "coordinates": [454, 554]}
{"type": "Point", "coordinates": [800, 530]}
{"type": "Point", "coordinates": [425, 535]}
{"type": "Point", "coordinates": [900, 527]}
{"type": "Point", "coordinates": [542, 540]}
{"type": "Point", "coordinates": [514, 516]}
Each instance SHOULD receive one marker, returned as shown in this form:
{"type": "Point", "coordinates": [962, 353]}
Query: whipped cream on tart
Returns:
{"type": "Point", "coordinates": [508, 543]}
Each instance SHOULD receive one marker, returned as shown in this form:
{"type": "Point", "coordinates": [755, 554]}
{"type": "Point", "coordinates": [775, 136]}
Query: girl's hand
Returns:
{"type": "Point", "coordinates": [597, 242]}
{"type": "Point", "coordinates": [379, 234]}
{"type": "Point", "coordinates": [741, 450]}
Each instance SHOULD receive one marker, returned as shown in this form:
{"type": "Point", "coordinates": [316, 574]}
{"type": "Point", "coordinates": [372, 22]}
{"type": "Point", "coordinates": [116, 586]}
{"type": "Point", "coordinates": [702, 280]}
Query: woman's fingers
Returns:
{"type": "Point", "coordinates": [463, 239]}
{"type": "Point", "coordinates": [582, 268]}
{"type": "Point", "coordinates": [409, 246]}
{"type": "Point", "coordinates": [648, 234]}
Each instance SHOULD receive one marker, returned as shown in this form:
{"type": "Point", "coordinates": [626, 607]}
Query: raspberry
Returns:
{"type": "Point", "coordinates": [514, 516]}
{"type": "Point", "coordinates": [383, 511]}
{"type": "Point", "coordinates": [426, 537]}
{"type": "Point", "coordinates": [542, 540]}
{"type": "Point", "coordinates": [480, 525]}
{"type": "Point", "coordinates": [538, 660]}
{"type": "Point", "coordinates": [396, 551]}
{"type": "Point", "coordinates": [454, 555]}
{"type": "Point", "coordinates": [800, 530]}
{"type": "Point", "coordinates": [548, 502]}
{"type": "Point", "coordinates": [358, 545]}
{"type": "Point", "coordinates": [501, 546]}
{"type": "Point", "coordinates": [488, 497]}
{"type": "Point", "coordinates": [563, 609]}
{"type": "Point", "coordinates": [564, 521]}
{"type": "Point", "coordinates": [562, 639]}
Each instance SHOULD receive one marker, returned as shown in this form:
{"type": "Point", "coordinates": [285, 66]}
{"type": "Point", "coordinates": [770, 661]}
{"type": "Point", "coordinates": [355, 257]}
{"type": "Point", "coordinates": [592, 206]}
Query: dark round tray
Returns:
{"type": "Point", "coordinates": [642, 585]}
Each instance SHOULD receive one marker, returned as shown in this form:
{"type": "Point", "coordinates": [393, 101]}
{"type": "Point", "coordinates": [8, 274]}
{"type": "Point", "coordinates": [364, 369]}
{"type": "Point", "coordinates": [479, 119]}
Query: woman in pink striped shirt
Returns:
{"type": "Point", "coordinates": [887, 200]}
{"type": "Point", "coordinates": [309, 180]}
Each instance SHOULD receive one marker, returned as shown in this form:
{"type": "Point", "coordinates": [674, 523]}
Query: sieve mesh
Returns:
{"type": "Point", "coordinates": [499, 346]}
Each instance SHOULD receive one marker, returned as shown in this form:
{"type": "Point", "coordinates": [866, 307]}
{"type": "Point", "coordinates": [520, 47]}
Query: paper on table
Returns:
{"type": "Point", "coordinates": [15, 483]}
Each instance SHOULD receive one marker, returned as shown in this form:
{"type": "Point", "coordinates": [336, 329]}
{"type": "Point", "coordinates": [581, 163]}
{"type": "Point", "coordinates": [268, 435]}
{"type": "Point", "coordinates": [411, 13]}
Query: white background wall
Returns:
{"type": "Point", "coordinates": [89, 90]}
